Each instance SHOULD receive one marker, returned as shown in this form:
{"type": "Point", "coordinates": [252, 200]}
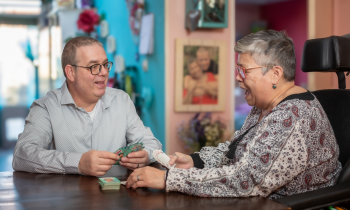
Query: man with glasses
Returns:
{"type": "Point", "coordinates": [76, 128]}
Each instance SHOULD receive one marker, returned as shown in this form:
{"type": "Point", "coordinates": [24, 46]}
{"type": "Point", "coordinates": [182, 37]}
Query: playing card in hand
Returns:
{"type": "Point", "coordinates": [162, 158]}
{"type": "Point", "coordinates": [124, 151]}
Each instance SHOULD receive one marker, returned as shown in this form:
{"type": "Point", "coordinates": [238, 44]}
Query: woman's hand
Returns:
{"type": "Point", "coordinates": [181, 160]}
{"type": "Point", "coordinates": [146, 177]}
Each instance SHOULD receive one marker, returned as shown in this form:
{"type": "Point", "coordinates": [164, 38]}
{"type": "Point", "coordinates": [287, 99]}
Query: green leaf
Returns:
{"type": "Point", "coordinates": [103, 16]}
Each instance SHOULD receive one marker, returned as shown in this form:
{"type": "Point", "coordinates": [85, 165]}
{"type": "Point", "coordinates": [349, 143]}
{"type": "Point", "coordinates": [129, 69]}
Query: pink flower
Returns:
{"type": "Point", "coordinates": [87, 20]}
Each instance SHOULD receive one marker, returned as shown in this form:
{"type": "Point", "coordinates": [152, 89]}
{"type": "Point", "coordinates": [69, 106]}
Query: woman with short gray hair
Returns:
{"type": "Point", "coordinates": [285, 146]}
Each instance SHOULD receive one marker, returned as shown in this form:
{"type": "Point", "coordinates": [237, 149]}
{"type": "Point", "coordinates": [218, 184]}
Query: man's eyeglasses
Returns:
{"type": "Point", "coordinates": [241, 70]}
{"type": "Point", "coordinates": [96, 68]}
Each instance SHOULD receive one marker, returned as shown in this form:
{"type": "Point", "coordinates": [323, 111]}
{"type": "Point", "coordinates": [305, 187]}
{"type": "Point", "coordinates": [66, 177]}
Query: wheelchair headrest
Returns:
{"type": "Point", "coordinates": [331, 54]}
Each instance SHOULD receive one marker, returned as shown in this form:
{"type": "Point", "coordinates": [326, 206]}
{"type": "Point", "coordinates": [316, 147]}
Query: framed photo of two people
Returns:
{"type": "Point", "coordinates": [200, 77]}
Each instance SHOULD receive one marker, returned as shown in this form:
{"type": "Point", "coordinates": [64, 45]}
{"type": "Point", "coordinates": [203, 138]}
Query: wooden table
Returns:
{"type": "Point", "coordinates": [21, 190]}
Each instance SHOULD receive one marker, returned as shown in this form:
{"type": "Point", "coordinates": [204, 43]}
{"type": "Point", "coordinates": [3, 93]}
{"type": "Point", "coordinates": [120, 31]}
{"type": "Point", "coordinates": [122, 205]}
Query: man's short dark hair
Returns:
{"type": "Point", "coordinates": [70, 50]}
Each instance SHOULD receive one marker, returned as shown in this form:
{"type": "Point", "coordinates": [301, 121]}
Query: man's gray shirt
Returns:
{"type": "Point", "coordinates": [57, 132]}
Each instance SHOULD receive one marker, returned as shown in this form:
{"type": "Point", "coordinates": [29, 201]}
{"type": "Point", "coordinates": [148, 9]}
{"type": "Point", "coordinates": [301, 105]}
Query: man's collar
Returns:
{"type": "Point", "coordinates": [66, 96]}
{"type": "Point", "coordinates": [68, 99]}
{"type": "Point", "coordinates": [107, 99]}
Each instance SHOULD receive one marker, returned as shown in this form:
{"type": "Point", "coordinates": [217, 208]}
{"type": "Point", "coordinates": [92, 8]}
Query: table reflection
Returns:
{"type": "Point", "coordinates": [45, 191]}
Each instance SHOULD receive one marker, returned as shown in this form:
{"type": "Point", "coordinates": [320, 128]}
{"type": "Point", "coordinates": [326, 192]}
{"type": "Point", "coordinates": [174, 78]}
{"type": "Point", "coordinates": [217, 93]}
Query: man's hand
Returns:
{"type": "Point", "coordinates": [147, 177]}
{"type": "Point", "coordinates": [181, 160]}
{"type": "Point", "coordinates": [96, 163]}
{"type": "Point", "coordinates": [135, 160]}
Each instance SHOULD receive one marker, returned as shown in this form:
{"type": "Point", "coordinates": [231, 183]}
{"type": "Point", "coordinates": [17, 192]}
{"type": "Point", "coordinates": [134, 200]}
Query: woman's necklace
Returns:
{"type": "Point", "coordinates": [279, 97]}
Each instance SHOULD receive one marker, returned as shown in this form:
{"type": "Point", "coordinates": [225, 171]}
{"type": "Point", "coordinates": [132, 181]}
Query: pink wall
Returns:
{"type": "Point", "coordinates": [245, 15]}
{"type": "Point", "coordinates": [341, 17]}
{"type": "Point", "coordinates": [341, 26]}
{"type": "Point", "coordinates": [292, 17]}
{"type": "Point", "coordinates": [175, 28]}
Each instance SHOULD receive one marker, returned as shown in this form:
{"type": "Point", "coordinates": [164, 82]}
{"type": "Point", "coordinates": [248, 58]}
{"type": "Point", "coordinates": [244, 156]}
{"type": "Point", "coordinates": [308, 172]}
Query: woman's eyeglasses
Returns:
{"type": "Point", "coordinates": [241, 70]}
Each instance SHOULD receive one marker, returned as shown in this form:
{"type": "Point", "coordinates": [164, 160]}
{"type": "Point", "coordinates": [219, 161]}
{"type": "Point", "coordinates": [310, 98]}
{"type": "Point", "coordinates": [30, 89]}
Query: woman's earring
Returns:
{"type": "Point", "coordinates": [274, 86]}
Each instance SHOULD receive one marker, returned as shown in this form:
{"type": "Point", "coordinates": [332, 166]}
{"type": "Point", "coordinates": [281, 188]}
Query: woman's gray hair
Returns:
{"type": "Point", "coordinates": [270, 47]}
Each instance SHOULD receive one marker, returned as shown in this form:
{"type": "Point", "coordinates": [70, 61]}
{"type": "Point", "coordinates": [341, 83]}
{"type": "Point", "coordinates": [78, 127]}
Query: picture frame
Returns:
{"type": "Point", "coordinates": [200, 75]}
{"type": "Point", "coordinates": [213, 13]}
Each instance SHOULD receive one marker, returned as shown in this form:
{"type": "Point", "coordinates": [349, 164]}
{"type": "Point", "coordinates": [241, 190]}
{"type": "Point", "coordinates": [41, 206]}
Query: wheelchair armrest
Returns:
{"type": "Point", "coordinates": [324, 196]}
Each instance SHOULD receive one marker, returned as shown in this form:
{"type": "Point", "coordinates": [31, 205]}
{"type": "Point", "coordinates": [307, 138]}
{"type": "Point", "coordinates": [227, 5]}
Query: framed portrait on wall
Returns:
{"type": "Point", "coordinates": [200, 77]}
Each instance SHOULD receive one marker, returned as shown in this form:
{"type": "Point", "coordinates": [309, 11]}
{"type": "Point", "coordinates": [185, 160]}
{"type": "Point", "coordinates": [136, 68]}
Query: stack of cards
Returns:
{"type": "Point", "coordinates": [109, 183]}
{"type": "Point", "coordinates": [162, 158]}
{"type": "Point", "coordinates": [124, 151]}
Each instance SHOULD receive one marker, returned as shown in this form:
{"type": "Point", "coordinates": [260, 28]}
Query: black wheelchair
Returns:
{"type": "Point", "coordinates": [331, 54]}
